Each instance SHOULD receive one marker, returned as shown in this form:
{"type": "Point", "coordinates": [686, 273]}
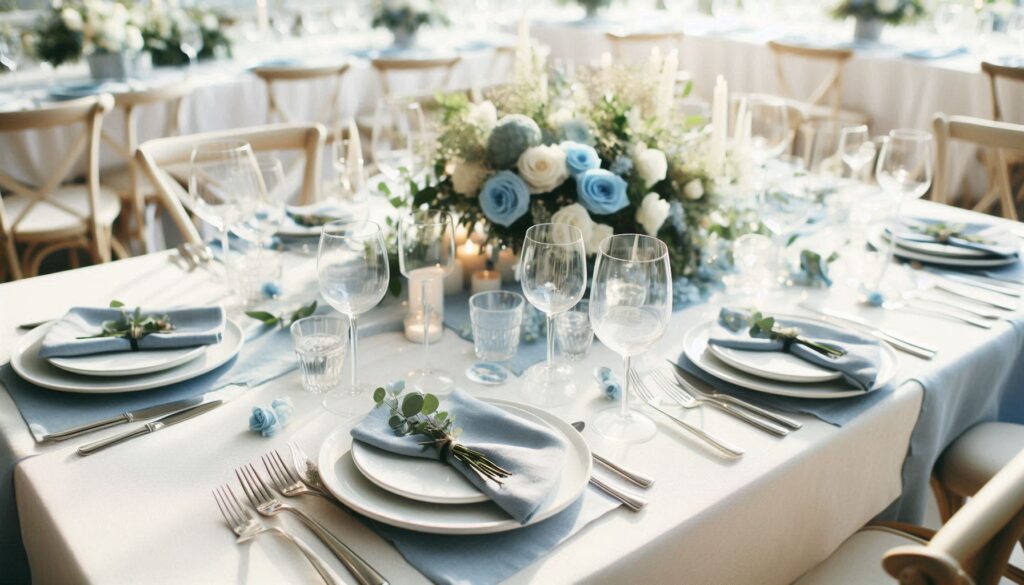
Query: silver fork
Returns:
{"type": "Point", "coordinates": [688, 401]}
{"type": "Point", "coordinates": [268, 505]}
{"type": "Point", "coordinates": [246, 527]}
{"type": "Point", "coordinates": [188, 256]}
{"type": "Point", "coordinates": [285, 481]}
{"type": "Point", "coordinates": [647, 396]}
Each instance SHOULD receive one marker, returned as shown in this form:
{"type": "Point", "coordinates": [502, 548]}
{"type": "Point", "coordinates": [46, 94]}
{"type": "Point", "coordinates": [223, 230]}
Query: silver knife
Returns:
{"type": "Point", "coordinates": [125, 417]}
{"type": "Point", "coordinates": [900, 343]}
{"type": "Point", "coordinates": [687, 378]}
{"type": "Point", "coordinates": [963, 294]}
{"type": "Point", "coordinates": [977, 282]}
{"type": "Point", "coordinates": [150, 427]}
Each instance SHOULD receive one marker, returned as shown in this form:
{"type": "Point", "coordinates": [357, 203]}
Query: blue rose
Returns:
{"type": "Point", "coordinates": [580, 158]}
{"type": "Point", "coordinates": [283, 409]}
{"type": "Point", "coordinates": [263, 421]}
{"type": "Point", "coordinates": [505, 198]}
{"type": "Point", "coordinates": [601, 192]}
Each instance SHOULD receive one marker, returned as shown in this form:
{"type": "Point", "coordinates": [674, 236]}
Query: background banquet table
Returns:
{"type": "Point", "coordinates": [145, 509]}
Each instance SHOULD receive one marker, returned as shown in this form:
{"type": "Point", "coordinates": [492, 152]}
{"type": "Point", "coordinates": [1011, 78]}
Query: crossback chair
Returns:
{"type": "Point", "coordinates": [330, 111]}
{"type": "Point", "coordinates": [995, 72]}
{"type": "Point", "coordinates": [156, 156]}
{"type": "Point", "coordinates": [56, 216]}
{"type": "Point", "coordinates": [387, 67]}
{"type": "Point", "coordinates": [973, 548]}
{"type": "Point", "coordinates": [829, 89]}
{"type": "Point", "coordinates": [625, 43]}
{"type": "Point", "coordinates": [1000, 137]}
{"type": "Point", "coordinates": [129, 182]}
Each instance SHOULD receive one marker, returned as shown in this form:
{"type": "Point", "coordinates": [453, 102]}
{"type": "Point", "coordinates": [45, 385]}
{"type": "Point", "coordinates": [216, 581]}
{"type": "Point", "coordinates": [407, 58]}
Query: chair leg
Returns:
{"type": "Point", "coordinates": [947, 501]}
{"type": "Point", "coordinates": [119, 249]}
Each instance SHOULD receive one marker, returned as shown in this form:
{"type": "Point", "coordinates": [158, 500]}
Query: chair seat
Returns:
{"type": "Point", "coordinates": [45, 220]}
{"type": "Point", "coordinates": [977, 455]}
{"type": "Point", "coordinates": [858, 561]}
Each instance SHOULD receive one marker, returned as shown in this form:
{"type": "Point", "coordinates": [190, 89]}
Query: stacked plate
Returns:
{"type": "Point", "coordinates": [130, 371]}
{"type": "Point", "coordinates": [777, 372]}
{"type": "Point", "coordinates": [428, 496]}
{"type": "Point", "coordinates": [306, 221]}
{"type": "Point", "coordinates": [947, 254]}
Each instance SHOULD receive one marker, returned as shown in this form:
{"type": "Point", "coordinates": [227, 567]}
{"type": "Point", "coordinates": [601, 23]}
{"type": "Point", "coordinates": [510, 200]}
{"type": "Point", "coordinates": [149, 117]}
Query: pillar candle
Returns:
{"type": "Point", "coordinates": [719, 125]}
{"type": "Point", "coordinates": [425, 281]}
{"type": "Point", "coordinates": [262, 16]}
{"type": "Point", "coordinates": [485, 280]}
{"type": "Point", "coordinates": [472, 259]}
{"type": "Point", "coordinates": [455, 281]}
{"type": "Point", "coordinates": [505, 264]}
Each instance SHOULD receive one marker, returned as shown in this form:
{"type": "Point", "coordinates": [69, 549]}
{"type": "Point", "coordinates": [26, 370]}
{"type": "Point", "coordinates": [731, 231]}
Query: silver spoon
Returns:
{"type": "Point", "coordinates": [630, 476]}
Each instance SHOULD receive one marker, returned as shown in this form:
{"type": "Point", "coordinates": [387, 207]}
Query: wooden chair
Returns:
{"type": "Point", "coordinates": [623, 42]}
{"type": "Point", "coordinates": [156, 156]}
{"type": "Point", "coordinates": [999, 137]}
{"type": "Point", "coordinates": [973, 548]}
{"type": "Point", "coordinates": [387, 67]}
{"type": "Point", "coordinates": [330, 113]}
{"type": "Point", "coordinates": [830, 88]}
{"type": "Point", "coordinates": [56, 216]}
{"type": "Point", "coordinates": [128, 181]}
{"type": "Point", "coordinates": [994, 73]}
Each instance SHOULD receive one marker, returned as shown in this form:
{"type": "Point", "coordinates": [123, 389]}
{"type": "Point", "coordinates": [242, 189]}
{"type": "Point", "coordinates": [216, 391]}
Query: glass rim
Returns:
{"type": "Point", "coordinates": [910, 134]}
{"type": "Point", "coordinates": [372, 229]}
{"type": "Point", "coordinates": [663, 248]}
{"type": "Point", "coordinates": [520, 298]}
{"type": "Point", "coordinates": [448, 219]}
{"type": "Point", "coordinates": [339, 318]}
{"type": "Point", "coordinates": [225, 145]}
{"type": "Point", "coordinates": [577, 232]}
{"type": "Point", "coordinates": [266, 159]}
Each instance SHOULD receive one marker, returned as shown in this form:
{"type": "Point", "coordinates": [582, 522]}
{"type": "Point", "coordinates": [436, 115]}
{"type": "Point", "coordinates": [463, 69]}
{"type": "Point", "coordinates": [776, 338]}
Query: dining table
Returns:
{"type": "Point", "coordinates": [143, 511]}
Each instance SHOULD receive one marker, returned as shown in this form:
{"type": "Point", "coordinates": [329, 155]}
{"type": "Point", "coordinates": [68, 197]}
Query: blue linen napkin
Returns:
{"type": "Point", "coordinates": [859, 365]}
{"type": "Point", "coordinates": [192, 327]}
{"type": "Point", "coordinates": [532, 453]}
{"type": "Point", "coordinates": [935, 53]}
{"type": "Point", "coordinates": [995, 241]}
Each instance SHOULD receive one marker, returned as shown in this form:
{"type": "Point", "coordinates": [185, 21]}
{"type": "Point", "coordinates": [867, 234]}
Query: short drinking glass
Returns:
{"type": "Point", "coordinates": [497, 317]}
{"type": "Point", "coordinates": [574, 333]}
{"type": "Point", "coordinates": [320, 344]}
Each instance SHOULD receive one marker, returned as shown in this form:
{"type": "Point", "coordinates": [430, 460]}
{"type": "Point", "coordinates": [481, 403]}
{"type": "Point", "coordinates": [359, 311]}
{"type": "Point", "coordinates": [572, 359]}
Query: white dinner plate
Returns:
{"type": "Point", "coordinates": [425, 480]}
{"type": "Point", "coordinates": [775, 365]}
{"type": "Point", "coordinates": [128, 363]}
{"type": "Point", "coordinates": [993, 233]}
{"type": "Point", "coordinates": [695, 345]}
{"type": "Point", "coordinates": [26, 362]}
{"type": "Point", "coordinates": [877, 238]}
{"type": "Point", "coordinates": [345, 482]}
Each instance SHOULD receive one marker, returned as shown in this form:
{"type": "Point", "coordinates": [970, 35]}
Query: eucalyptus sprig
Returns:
{"type": "Point", "coordinates": [268, 318]}
{"type": "Point", "coordinates": [765, 327]}
{"type": "Point", "coordinates": [417, 414]}
{"type": "Point", "coordinates": [942, 232]}
{"type": "Point", "coordinates": [132, 325]}
{"type": "Point", "coordinates": [311, 219]}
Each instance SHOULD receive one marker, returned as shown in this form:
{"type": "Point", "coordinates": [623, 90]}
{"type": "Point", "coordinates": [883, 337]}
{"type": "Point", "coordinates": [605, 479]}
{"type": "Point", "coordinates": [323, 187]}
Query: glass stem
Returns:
{"type": "Point", "coordinates": [551, 342]}
{"type": "Point", "coordinates": [890, 252]}
{"type": "Point", "coordinates": [224, 239]}
{"type": "Point", "coordinates": [426, 326]}
{"type": "Point", "coordinates": [624, 399]}
{"type": "Point", "coordinates": [354, 332]}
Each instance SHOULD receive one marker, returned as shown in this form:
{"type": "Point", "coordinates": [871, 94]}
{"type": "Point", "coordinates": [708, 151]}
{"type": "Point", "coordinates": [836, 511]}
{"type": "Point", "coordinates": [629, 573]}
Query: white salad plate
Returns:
{"type": "Point", "coordinates": [878, 239]}
{"type": "Point", "coordinates": [425, 480]}
{"type": "Point", "coordinates": [775, 365]}
{"type": "Point", "coordinates": [696, 347]}
{"type": "Point", "coordinates": [343, 479]}
{"type": "Point", "coordinates": [128, 363]}
{"type": "Point", "coordinates": [26, 362]}
{"type": "Point", "coordinates": [994, 233]}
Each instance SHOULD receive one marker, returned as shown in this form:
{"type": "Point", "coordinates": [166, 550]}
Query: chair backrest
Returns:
{"type": "Point", "coordinates": [831, 85]}
{"type": "Point", "coordinates": [386, 67]}
{"type": "Point", "coordinates": [89, 112]}
{"type": "Point", "coordinates": [994, 72]}
{"type": "Point", "coordinates": [155, 156]}
{"type": "Point", "coordinates": [973, 547]}
{"type": "Point", "coordinates": [999, 137]}
{"type": "Point", "coordinates": [664, 40]}
{"type": "Point", "coordinates": [330, 112]}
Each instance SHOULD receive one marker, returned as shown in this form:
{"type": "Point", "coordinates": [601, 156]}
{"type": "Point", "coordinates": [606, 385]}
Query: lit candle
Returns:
{"type": "Point", "coordinates": [472, 259]}
{"type": "Point", "coordinates": [719, 125]}
{"type": "Point", "coordinates": [262, 16]}
{"type": "Point", "coordinates": [425, 283]}
{"type": "Point", "coordinates": [355, 157]}
{"type": "Point", "coordinates": [666, 89]}
{"type": "Point", "coordinates": [485, 280]}
{"type": "Point", "coordinates": [506, 264]}
{"type": "Point", "coordinates": [455, 281]}
{"type": "Point", "coordinates": [524, 58]}
{"type": "Point", "coordinates": [741, 115]}
{"type": "Point", "coordinates": [461, 234]}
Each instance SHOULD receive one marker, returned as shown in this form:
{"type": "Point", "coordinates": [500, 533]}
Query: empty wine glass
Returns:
{"type": "Point", "coordinates": [191, 42]}
{"type": "Point", "coordinates": [783, 210]}
{"type": "Point", "coordinates": [269, 210]}
{"type": "Point", "coordinates": [553, 268]}
{"type": "Point", "coordinates": [396, 139]}
{"type": "Point", "coordinates": [769, 127]}
{"type": "Point", "coordinates": [426, 255]}
{"type": "Point", "coordinates": [856, 148]}
{"type": "Point", "coordinates": [630, 307]}
{"type": "Point", "coordinates": [349, 166]}
{"type": "Point", "coordinates": [352, 269]}
{"type": "Point", "coordinates": [904, 171]}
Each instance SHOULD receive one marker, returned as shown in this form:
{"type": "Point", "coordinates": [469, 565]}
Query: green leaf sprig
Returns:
{"type": "Point", "coordinates": [417, 414]}
{"type": "Point", "coordinates": [132, 325]}
{"type": "Point", "coordinates": [942, 232]}
{"type": "Point", "coordinates": [311, 219]}
{"type": "Point", "coordinates": [268, 318]}
{"type": "Point", "coordinates": [765, 327]}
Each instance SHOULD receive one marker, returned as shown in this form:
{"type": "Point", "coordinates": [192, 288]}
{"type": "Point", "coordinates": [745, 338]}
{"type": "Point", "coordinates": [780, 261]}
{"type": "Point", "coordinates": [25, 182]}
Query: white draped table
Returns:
{"type": "Point", "coordinates": [143, 511]}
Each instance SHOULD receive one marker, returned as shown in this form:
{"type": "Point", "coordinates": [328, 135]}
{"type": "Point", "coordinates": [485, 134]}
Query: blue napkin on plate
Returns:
{"type": "Point", "coordinates": [317, 214]}
{"type": "Point", "coordinates": [859, 365]}
{"type": "Point", "coordinates": [935, 53]}
{"type": "Point", "coordinates": [531, 452]}
{"type": "Point", "coordinates": [192, 327]}
{"type": "Point", "coordinates": [993, 240]}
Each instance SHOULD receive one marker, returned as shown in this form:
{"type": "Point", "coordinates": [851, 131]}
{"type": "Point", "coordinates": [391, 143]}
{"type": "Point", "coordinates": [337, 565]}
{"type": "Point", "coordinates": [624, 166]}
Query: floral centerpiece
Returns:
{"type": "Point", "coordinates": [404, 18]}
{"type": "Point", "coordinates": [872, 15]}
{"type": "Point", "coordinates": [108, 33]}
{"type": "Point", "coordinates": [605, 151]}
{"type": "Point", "coordinates": [163, 30]}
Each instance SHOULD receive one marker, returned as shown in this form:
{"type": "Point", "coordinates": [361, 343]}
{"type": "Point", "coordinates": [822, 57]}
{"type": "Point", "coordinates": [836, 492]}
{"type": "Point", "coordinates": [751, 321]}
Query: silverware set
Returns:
{"type": "Point", "coordinates": [900, 342]}
{"type": "Point", "coordinates": [630, 500]}
{"type": "Point", "coordinates": [194, 255]}
{"type": "Point", "coordinates": [263, 498]}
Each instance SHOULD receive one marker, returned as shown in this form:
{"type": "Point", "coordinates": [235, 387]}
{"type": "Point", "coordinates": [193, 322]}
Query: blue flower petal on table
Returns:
{"type": "Point", "coordinates": [284, 409]}
{"type": "Point", "coordinates": [263, 421]}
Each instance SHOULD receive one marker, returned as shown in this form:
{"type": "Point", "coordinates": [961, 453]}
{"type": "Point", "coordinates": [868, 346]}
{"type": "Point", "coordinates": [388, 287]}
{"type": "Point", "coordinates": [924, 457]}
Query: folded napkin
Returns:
{"type": "Point", "coordinates": [983, 237]}
{"type": "Point", "coordinates": [192, 327]}
{"type": "Point", "coordinates": [935, 53]}
{"type": "Point", "coordinates": [859, 366]}
{"type": "Point", "coordinates": [317, 214]}
{"type": "Point", "coordinates": [531, 452]}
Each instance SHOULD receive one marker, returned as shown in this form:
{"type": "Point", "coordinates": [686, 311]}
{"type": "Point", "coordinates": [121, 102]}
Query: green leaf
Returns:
{"type": "Point", "coordinates": [412, 404]}
{"type": "Point", "coordinates": [265, 317]}
{"type": "Point", "coordinates": [303, 312]}
{"type": "Point", "coordinates": [688, 88]}
{"type": "Point", "coordinates": [116, 304]}
{"type": "Point", "coordinates": [430, 404]}
{"type": "Point", "coordinates": [792, 239]}
{"type": "Point", "coordinates": [383, 188]}
{"type": "Point", "coordinates": [378, 395]}
{"type": "Point", "coordinates": [441, 416]}
{"type": "Point", "coordinates": [395, 421]}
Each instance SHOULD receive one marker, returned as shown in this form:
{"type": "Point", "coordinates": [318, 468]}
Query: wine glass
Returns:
{"type": "Point", "coordinates": [630, 307]}
{"type": "Point", "coordinates": [352, 268]}
{"type": "Point", "coordinates": [856, 148]}
{"type": "Point", "coordinates": [553, 267]}
{"type": "Point", "coordinates": [348, 166]}
{"type": "Point", "coordinates": [946, 20]}
{"type": "Point", "coordinates": [191, 42]}
{"type": "Point", "coordinates": [396, 139]}
{"type": "Point", "coordinates": [769, 127]}
{"type": "Point", "coordinates": [269, 210]}
{"type": "Point", "coordinates": [426, 255]}
{"type": "Point", "coordinates": [904, 171]}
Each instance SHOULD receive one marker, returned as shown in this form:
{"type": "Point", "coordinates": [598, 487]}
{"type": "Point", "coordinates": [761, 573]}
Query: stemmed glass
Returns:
{"type": "Point", "coordinates": [553, 268]}
{"type": "Point", "coordinates": [630, 307]}
{"type": "Point", "coordinates": [270, 209]}
{"type": "Point", "coordinates": [191, 43]}
{"type": "Point", "coordinates": [769, 127]}
{"type": "Point", "coordinates": [856, 148]}
{"type": "Point", "coordinates": [426, 254]}
{"type": "Point", "coordinates": [396, 139]}
{"type": "Point", "coordinates": [904, 171]}
{"type": "Point", "coordinates": [352, 268]}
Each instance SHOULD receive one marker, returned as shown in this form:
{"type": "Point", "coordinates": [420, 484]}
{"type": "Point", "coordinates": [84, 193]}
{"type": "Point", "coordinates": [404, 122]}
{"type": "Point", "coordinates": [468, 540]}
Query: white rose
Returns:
{"type": "Point", "coordinates": [210, 22]}
{"type": "Point", "coordinates": [601, 231]}
{"type": "Point", "coordinates": [652, 213]}
{"type": "Point", "coordinates": [72, 19]}
{"type": "Point", "coordinates": [467, 177]}
{"type": "Point", "coordinates": [577, 215]}
{"type": "Point", "coordinates": [651, 164]}
{"type": "Point", "coordinates": [887, 6]}
{"type": "Point", "coordinates": [133, 39]}
{"type": "Point", "coordinates": [543, 168]}
{"type": "Point", "coordinates": [483, 115]}
{"type": "Point", "coordinates": [694, 189]}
